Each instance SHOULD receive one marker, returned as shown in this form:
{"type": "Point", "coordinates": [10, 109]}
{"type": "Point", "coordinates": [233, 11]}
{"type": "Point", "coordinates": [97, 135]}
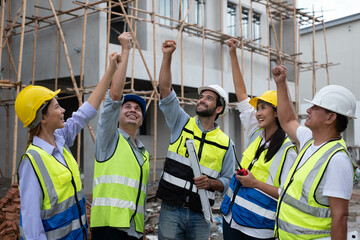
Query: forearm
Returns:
{"type": "Point", "coordinates": [285, 109]}
{"type": "Point", "coordinates": [119, 77]}
{"type": "Point", "coordinates": [99, 92]}
{"type": "Point", "coordinates": [216, 185]}
{"type": "Point", "coordinates": [165, 78]}
{"type": "Point", "coordinates": [339, 228]}
{"type": "Point", "coordinates": [268, 189]}
{"type": "Point", "coordinates": [239, 84]}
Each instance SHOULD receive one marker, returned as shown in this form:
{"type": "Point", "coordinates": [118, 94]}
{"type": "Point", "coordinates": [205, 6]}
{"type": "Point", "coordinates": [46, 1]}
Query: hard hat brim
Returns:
{"type": "Point", "coordinates": [346, 115]}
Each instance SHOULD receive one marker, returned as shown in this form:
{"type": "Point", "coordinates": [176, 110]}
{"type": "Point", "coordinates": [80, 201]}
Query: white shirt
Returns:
{"type": "Point", "coordinates": [250, 123]}
{"type": "Point", "coordinates": [338, 178]}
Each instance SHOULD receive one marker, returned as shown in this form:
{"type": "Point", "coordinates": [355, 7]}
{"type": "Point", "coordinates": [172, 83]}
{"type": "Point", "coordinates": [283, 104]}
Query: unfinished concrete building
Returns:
{"type": "Point", "coordinates": [65, 44]}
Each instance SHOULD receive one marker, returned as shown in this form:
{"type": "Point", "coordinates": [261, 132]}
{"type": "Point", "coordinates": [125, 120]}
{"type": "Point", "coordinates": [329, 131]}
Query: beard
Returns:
{"type": "Point", "coordinates": [205, 112]}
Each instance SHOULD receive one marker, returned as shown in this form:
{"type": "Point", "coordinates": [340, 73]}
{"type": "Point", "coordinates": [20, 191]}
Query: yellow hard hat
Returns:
{"type": "Point", "coordinates": [268, 96]}
{"type": "Point", "coordinates": [29, 101]}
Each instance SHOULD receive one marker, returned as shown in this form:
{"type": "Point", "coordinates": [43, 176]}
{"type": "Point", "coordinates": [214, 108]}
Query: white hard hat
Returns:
{"type": "Point", "coordinates": [337, 99]}
{"type": "Point", "coordinates": [219, 90]}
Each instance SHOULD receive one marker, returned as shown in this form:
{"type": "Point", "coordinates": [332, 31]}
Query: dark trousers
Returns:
{"type": "Point", "coordinates": [230, 233]}
{"type": "Point", "coordinates": [109, 233]}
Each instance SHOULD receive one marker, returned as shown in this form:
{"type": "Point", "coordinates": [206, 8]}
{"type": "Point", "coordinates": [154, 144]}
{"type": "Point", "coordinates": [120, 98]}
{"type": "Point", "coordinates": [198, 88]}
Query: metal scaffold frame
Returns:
{"type": "Point", "coordinates": [275, 11]}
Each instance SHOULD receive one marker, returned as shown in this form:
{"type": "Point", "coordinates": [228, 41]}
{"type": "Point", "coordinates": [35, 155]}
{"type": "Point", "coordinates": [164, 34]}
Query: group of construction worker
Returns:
{"type": "Point", "coordinates": [292, 182]}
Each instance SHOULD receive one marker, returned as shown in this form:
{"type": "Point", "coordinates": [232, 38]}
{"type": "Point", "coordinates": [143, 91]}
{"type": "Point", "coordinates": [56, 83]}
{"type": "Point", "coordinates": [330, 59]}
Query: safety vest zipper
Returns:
{"type": "Point", "coordinates": [138, 195]}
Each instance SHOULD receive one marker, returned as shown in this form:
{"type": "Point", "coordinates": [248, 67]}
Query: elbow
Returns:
{"type": "Point", "coordinates": [115, 96]}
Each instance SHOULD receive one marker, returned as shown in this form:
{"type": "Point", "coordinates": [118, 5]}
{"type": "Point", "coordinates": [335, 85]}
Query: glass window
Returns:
{"type": "Point", "coordinates": [245, 22]}
{"type": "Point", "coordinates": [183, 11]}
{"type": "Point", "coordinates": [165, 10]}
{"type": "Point", "coordinates": [199, 22]}
{"type": "Point", "coordinates": [256, 27]}
{"type": "Point", "coordinates": [231, 27]}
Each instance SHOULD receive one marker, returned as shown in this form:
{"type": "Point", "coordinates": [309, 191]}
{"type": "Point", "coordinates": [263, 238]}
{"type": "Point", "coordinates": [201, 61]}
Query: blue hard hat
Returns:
{"type": "Point", "coordinates": [138, 100]}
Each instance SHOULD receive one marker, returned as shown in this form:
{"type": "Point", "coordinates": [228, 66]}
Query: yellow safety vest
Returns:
{"type": "Point", "coordinates": [300, 215]}
{"type": "Point", "coordinates": [63, 206]}
{"type": "Point", "coordinates": [119, 190]}
{"type": "Point", "coordinates": [177, 181]}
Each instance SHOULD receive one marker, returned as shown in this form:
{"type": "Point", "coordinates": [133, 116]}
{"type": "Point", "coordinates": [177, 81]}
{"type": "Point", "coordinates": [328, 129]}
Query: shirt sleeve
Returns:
{"type": "Point", "coordinates": [303, 134]}
{"type": "Point", "coordinates": [228, 167]}
{"type": "Point", "coordinates": [175, 116]}
{"type": "Point", "coordinates": [339, 177]}
{"type": "Point", "coordinates": [76, 122]}
{"type": "Point", "coordinates": [107, 134]}
{"type": "Point", "coordinates": [31, 201]}
{"type": "Point", "coordinates": [248, 117]}
{"type": "Point", "coordinates": [289, 162]}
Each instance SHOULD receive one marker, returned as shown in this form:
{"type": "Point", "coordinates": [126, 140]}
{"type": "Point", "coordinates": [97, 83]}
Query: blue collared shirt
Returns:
{"type": "Point", "coordinates": [30, 189]}
{"type": "Point", "coordinates": [176, 118]}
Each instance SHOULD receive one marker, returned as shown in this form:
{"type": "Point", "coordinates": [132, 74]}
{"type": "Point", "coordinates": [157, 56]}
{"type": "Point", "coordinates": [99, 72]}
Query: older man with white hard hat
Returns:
{"type": "Point", "coordinates": [315, 198]}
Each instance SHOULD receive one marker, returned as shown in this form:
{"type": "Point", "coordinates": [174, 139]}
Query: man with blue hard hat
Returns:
{"type": "Point", "coordinates": [121, 168]}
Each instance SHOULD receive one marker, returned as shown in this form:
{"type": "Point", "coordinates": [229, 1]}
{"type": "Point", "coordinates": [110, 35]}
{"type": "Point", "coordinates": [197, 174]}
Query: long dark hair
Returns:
{"type": "Point", "coordinates": [36, 130]}
{"type": "Point", "coordinates": [276, 141]}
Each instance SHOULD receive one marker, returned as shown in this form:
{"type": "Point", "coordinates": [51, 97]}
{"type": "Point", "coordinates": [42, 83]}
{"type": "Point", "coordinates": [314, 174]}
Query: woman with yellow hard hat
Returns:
{"type": "Point", "coordinates": [249, 205]}
{"type": "Point", "coordinates": [52, 200]}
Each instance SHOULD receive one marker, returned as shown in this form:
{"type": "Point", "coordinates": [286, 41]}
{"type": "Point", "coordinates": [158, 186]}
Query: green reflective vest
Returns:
{"type": "Point", "coordinates": [119, 189]}
{"type": "Point", "coordinates": [300, 215]}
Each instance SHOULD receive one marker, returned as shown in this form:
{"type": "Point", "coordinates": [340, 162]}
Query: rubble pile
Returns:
{"type": "Point", "coordinates": [10, 214]}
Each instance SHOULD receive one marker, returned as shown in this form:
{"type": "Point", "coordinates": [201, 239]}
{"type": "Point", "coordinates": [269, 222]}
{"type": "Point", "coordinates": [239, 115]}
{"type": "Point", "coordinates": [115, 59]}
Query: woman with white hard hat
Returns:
{"type": "Point", "coordinates": [315, 199]}
{"type": "Point", "coordinates": [249, 205]}
{"type": "Point", "coordinates": [52, 199]}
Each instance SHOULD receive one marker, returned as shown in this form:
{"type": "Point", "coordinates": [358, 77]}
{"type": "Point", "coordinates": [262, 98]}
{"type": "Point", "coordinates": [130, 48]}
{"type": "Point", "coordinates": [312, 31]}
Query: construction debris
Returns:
{"type": "Point", "coordinates": [10, 214]}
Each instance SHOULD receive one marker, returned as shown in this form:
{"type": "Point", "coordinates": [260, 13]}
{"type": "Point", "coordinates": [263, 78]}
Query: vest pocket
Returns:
{"type": "Point", "coordinates": [64, 178]}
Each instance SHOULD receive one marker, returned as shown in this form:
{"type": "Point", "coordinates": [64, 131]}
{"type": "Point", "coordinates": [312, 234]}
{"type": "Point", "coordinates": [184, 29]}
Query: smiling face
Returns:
{"type": "Point", "coordinates": [206, 105]}
{"type": "Point", "coordinates": [54, 117]}
{"type": "Point", "coordinates": [131, 113]}
{"type": "Point", "coordinates": [265, 115]}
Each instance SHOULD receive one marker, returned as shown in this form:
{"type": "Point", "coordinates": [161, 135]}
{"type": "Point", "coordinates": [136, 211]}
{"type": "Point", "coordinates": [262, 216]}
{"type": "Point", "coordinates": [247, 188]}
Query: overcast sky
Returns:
{"type": "Point", "coordinates": [332, 9]}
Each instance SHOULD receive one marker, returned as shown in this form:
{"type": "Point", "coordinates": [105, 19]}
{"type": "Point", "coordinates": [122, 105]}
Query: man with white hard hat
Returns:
{"type": "Point", "coordinates": [316, 194]}
{"type": "Point", "coordinates": [181, 211]}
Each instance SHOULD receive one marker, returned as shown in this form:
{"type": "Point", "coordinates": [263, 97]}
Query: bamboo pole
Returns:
{"type": "Point", "coordinates": [57, 53]}
{"type": "Point", "coordinates": [9, 44]}
{"type": "Point", "coordinates": [182, 56]}
{"type": "Point", "coordinates": [133, 52]}
{"type": "Point", "coordinates": [252, 52]}
{"type": "Point", "coordinates": [183, 20]}
{"type": "Point", "coordinates": [35, 43]}
{"type": "Point", "coordinates": [7, 137]}
{"type": "Point", "coordinates": [12, 24]}
{"type": "Point", "coordinates": [2, 27]}
{"type": "Point", "coordinates": [82, 78]}
{"type": "Point", "coordinates": [11, 57]}
{"type": "Point", "coordinates": [139, 49]}
{"type": "Point", "coordinates": [203, 45]}
{"type": "Point", "coordinates": [313, 56]}
{"type": "Point", "coordinates": [155, 99]}
{"type": "Point", "coordinates": [268, 39]}
{"type": "Point", "coordinates": [296, 79]}
{"type": "Point", "coordinates": [68, 62]}
{"type": "Point", "coordinates": [18, 90]}
{"type": "Point", "coordinates": [326, 55]}
{"type": "Point", "coordinates": [274, 32]}
{"type": "Point", "coordinates": [108, 35]}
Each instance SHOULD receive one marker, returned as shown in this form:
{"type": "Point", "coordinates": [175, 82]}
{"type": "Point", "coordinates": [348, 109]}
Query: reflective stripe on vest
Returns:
{"type": "Point", "coordinates": [252, 207]}
{"type": "Point", "coordinates": [300, 216]}
{"type": "Point", "coordinates": [178, 176]}
{"type": "Point", "coordinates": [119, 189]}
{"type": "Point", "coordinates": [60, 214]}
{"type": "Point", "coordinates": [269, 214]}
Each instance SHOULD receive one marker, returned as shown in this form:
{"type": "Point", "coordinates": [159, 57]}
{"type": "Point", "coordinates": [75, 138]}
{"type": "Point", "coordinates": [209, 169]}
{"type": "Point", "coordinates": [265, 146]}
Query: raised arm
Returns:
{"type": "Point", "coordinates": [98, 94]}
{"type": "Point", "coordinates": [239, 84]}
{"type": "Point", "coordinates": [119, 78]}
{"type": "Point", "coordinates": [285, 109]}
{"type": "Point", "coordinates": [165, 81]}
